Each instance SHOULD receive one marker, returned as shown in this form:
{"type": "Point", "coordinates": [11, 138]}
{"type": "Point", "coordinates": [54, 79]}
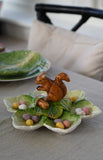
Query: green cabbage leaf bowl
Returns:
{"type": "Point", "coordinates": [63, 109]}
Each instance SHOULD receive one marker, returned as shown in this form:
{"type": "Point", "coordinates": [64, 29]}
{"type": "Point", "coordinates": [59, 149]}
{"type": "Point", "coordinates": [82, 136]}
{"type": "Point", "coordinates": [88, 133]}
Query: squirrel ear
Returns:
{"type": "Point", "coordinates": [43, 74]}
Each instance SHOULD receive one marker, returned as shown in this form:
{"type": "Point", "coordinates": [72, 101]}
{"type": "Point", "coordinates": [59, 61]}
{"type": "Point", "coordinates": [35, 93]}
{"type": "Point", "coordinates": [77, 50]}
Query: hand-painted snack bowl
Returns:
{"type": "Point", "coordinates": [19, 123]}
{"type": "Point", "coordinates": [65, 109]}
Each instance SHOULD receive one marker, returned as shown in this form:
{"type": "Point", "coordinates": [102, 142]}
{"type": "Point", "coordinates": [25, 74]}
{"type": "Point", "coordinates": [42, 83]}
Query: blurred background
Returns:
{"type": "Point", "coordinates": [16, 17]}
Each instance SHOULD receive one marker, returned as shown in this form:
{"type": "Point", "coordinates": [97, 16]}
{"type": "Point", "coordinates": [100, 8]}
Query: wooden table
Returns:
{"type": "Point", "coordinates": [85, 143]}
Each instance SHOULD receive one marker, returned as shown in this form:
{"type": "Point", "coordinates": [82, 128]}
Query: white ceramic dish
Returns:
{"type": "Point", "coordinates": [22, 126]}
{"type": "Point", "coordinates": [19, 124]}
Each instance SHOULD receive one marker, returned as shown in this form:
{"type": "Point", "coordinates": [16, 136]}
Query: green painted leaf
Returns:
{"type": "Point", "coordinates": [17, 117]}
{"type": "Point", "coordinates": [94, 110]}
{"type": "Point", "coordinates": [81, 104]}
{"type": "Point", "coordinates": [29, 100]}
{"type": "Point", "coordinates": [55, 110]}
{"type": "Point", "coordinates": [66, 103]}
{"type": "Point", "coordinates": [17, 63]}
{"type": "Point", "coordinates": [50, 122]}
{"type": "Point", "coordinates": [78, 94]}
{"type": "Point", "coordinates": [73, 118]}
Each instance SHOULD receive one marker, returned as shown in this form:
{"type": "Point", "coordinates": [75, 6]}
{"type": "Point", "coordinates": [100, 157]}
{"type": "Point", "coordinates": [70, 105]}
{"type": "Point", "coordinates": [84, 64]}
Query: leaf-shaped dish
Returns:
{"type": "Point", "coordinates": [64, 109]}
{"type": "Point", "coordinates": [19, 123]}
{"type": "Point", "coordinates": [10, 100]}
{"type": "Point", "coordinates": [20, 65]}
{"type": "Point", "coordinates": [74, 119]}
{"type": "Point", "coordinates": [78, 94]}
{"type": "Point", "coordinates": [55, 109]}
{"type": "Point", "coordinates": [94, 110]}
{"type": "Point", "coordinates": [64, 103]}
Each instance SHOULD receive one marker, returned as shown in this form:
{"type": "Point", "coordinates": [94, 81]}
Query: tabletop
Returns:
{"type": "Point", "coordinates": [84, 143]}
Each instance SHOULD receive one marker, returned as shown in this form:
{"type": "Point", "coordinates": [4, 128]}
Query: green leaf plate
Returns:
{"type": "Point", "coordinates": [64, 109]}
{"type": "Point", "coordinates": [21, 65]}
{"type": "Point", "coordinates": [19, 123]}
{"type": "Point", "coordinates": [94, 110]}
{"type": "Point", "coordinates": [74, 119]}
{"type": "Point", "coordinates": [78, 94]}
{"type": "Point", "coordinates": [8, 101]}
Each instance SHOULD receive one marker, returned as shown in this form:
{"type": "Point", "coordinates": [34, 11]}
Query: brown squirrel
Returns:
{"type": "Point", "coordinates": [55, 89]}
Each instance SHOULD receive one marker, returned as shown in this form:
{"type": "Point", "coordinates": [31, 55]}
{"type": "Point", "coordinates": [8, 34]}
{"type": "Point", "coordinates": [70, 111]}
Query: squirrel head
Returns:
{"type": "Point", "coordinates": [41, 78]}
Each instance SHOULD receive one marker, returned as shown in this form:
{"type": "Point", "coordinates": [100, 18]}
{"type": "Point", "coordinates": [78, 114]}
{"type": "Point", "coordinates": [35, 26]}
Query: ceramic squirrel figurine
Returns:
{"type": "Point", "coordinates": [55, 89]}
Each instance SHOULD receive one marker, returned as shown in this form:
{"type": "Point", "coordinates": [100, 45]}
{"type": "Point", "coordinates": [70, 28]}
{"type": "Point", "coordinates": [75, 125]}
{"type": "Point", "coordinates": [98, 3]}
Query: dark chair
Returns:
{"type": "Point", "coordinates": [67, 49]}
{"type": "Point", "coordinates": [85, 12]}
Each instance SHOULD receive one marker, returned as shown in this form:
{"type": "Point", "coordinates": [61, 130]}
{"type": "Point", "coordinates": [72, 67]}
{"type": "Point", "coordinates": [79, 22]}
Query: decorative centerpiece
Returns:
{"type": "Point", "coordinates": [51, 105]}
{"type": "Point", "coordinates": [55, 89]}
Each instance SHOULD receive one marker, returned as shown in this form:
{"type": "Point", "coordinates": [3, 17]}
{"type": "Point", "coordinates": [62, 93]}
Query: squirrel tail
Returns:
{"type": "Point", "coordinates": [62, 76]}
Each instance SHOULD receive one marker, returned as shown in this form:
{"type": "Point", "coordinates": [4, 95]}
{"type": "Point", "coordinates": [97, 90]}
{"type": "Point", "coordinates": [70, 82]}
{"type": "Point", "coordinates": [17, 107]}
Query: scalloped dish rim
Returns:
{"type": "Point", "coordinates": [54, 129]}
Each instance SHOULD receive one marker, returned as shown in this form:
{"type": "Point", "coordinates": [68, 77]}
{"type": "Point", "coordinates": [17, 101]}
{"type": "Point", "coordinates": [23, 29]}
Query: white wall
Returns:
{"type": "Point", "coordinates": [22, 12]}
